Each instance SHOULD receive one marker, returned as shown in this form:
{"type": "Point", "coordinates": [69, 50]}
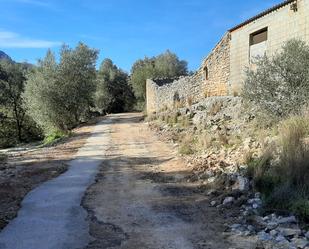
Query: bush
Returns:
{"type": "Point", "coordinates": [301, 208]}
{"type": "Point", "coordinates": [187, 145]}
{"type": "Point", "coordinates": [55, 137]}
{"type": "Point", "coordinates": [282, 172]}
{"type": "Point", "coordinates": [280, 84]}
{"type": "Point", "coordinates": [294, 157]}
{"type": "Point", "coordinates": [186, 149]}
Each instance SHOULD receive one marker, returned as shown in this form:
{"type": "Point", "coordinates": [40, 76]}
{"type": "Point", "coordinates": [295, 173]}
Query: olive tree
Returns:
{"type": "Point", "coordinates": [280, 84]}
{"type": "Point", "coordinates": [113, 93]}
{"type": "Point", "coordinates": [16, 126]}
{"type": "Point", "coordinates": [59, 95]}
{"type": "Point", "coordinates": [165, 65]}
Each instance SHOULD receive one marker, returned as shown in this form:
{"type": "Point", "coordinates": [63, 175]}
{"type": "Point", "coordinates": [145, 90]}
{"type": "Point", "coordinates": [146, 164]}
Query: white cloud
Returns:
{"type": "Point", "coordinates": [13, 40]}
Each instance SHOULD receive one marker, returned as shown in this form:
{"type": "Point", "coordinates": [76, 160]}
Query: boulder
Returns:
{"type": "Point", "coordinates": [288, 232]}
{"type": "Point", "coordinates": [228, 200]}
{"type": "Point", "coordinates": [300, 243]}
{"type": "Point", "coordinates": [242, 184]}
{"type": "Point", "coordinates": [285, 220]}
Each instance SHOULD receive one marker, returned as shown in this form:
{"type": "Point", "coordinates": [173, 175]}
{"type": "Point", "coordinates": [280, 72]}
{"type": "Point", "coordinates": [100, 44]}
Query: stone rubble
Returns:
{"type": "Point", "coordinates": [272, 231]}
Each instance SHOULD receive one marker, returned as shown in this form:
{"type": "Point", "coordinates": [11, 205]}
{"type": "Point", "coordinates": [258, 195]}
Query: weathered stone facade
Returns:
{"type": "Point", "coordinates": [223, 71]}
{"type": "Point", "coordinates": [180, 91]}
{"type": "Point", "coordinates": [212, 79]}
{"type": "Point", "coordinates": [216, 69]}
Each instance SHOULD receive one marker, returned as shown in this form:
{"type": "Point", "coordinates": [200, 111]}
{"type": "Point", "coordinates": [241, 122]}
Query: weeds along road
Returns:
{"type": "Point", "coordinates": [125, 189]}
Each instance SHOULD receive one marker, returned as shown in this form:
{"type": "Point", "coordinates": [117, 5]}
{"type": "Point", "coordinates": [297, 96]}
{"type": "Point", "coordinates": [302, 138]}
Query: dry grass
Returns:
{"type": "Point", "coordinates": [205, 141]}
{"type": "Point", "coordinates": [190, 101]}
{"type": "Point", "coordinates": [282, 172]}
{"type": "Point", "coordinates": [179, 104]}
{"type": "Point", "coordinates": [187, 145]}
{"type": "Point", "coordinates": [215, 108]}
{"type": "Point", "coordinates": [294, 157]}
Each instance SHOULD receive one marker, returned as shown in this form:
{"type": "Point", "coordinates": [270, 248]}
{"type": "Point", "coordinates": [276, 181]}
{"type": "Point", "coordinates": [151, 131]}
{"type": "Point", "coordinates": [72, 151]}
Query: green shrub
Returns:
{"type": "Point", "coordinates": [186, 149]}
{"type": "Point", "coordinates": [301, 208]}
{"type": "Point", "coordinates": [280, 84]}
{"type": "Point", "coordinates": [55, 137]}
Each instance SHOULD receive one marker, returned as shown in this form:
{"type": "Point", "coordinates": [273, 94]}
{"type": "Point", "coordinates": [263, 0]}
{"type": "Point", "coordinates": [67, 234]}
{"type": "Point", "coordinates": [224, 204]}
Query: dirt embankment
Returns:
{"type": "Point", "coordinates": [27, 168]}
{"type": "Point", "coordinates": [142, 197]}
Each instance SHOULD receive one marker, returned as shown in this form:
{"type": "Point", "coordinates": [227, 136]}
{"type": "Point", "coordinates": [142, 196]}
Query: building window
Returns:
{"type": "Point", "coordinates": [258, 37]}
{"type": "Point", "coordinates": [206, 76]}
{"type": "Point", "coordinates": [258, 45]}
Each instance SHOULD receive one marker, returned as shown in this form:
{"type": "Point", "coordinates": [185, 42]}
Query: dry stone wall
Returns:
{"type": "Point", "coordinates": [182, 91]}
{"type": "Point", "coordinates": [216, 69]}
{"type": "Point", "coordinates": [166, 93]}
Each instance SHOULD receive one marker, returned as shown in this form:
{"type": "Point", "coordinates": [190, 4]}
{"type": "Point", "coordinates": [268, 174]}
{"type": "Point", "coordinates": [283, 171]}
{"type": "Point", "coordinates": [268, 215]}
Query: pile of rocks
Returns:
{"type": "Point", "coordinates": [271, 231]}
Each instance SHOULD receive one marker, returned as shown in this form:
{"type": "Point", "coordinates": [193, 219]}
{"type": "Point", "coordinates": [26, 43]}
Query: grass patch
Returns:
{"type": "Point", "coordinates": [186, 149]}
{"type": "Point", "coordinates": [215, 108]}
{"type": "Point", "coordinates": [187, 145]}
{"type": "Point", "coordinates": [55, 137]}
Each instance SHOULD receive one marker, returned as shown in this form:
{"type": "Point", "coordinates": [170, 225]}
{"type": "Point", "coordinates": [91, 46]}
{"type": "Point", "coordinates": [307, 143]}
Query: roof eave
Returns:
{"type": "Point", "coordinates": [264, 13]}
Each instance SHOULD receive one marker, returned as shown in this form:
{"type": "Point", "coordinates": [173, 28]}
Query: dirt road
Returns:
{"type": "Point", "coordinates": [141, 198]}
{"type": "Point", "coordinates": [124, 189]}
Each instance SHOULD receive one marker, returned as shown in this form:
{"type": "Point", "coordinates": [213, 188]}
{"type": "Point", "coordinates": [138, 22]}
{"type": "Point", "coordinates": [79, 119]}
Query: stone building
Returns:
{"type": "Point", "coordinates": [222, 71]}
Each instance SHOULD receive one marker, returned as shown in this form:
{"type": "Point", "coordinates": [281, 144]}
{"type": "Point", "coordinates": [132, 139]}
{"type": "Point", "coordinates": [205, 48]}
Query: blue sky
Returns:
{"type": "Point", "coordinates": [122, 30]}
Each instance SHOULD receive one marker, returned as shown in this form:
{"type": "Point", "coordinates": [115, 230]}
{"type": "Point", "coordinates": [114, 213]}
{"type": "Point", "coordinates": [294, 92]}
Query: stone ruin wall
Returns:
{"type": "Point", "coordinates": [185, 90]}
{"type": "Point", "coordinates": [217, 63]}
{"type": "Point", "coordinates": [178, 92]}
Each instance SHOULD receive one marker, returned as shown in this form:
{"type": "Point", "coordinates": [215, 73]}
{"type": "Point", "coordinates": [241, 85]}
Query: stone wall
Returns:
{"type": "Point", "coordinates": [217, 66]}
{"type": "Point", "coordinates": [182, 91]}
{"type": "Point", "coordinates": [165, 93]}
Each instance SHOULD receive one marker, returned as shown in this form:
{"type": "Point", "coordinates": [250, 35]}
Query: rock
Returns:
{"type": "Point", "coordinates": [255, 206]}
{"type": "Point", "coordinates": [211, 179]}
{"type": "Point", "coordinates": [290, 219]}
{"type": "Point", "coordinates": [300, 243]}
{"type": "Point", "coordinates": [272, 225]}
{"type": "Point", "coordinates": [288, 232]}
{"type": "Point", "coordinates": [213, 203]}
{"type": "Point", "coordinates": [235, 226]}
{"type": "Point", "coordinates": [257, 195]}
{"type": "Point", "coordinates": [255, 200]}
{"type": "Point", "coordinates": [242, 184]}
{"type": "Point", "coordinates": [280, 238]}
{"type": "Point", "coordinates": [264, 236]}
{"type": "Point", "coordinates": [273, 233]}
{"type": "Point", "coordinates": [212, 192]}
{"type": "Point", "coordinates": [228, 200]}
{"type": "Point", "coordinates": [251, 228]}
{"type": "Point", "coordinates": [307, 235]}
